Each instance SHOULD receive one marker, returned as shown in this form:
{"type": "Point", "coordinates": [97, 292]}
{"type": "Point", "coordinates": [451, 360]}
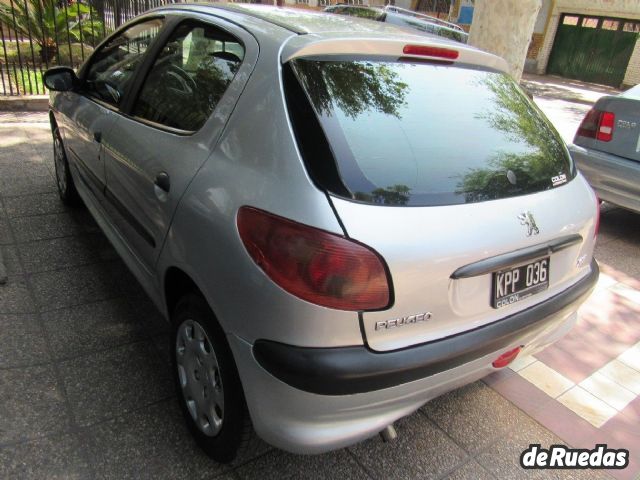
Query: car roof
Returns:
{"type": "Point", "coordinates": [295, 20]}
{"type": "Point", "coordinates": [318, 33]}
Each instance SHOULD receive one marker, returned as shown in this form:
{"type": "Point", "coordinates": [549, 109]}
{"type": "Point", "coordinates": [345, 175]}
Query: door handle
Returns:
{"type": "Point", "coordinates": [163, 182]}
{"type": "Point", "coordinates": [97, 136]}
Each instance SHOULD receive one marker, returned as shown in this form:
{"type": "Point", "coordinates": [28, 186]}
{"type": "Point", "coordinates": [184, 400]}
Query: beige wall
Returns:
{"type": "Point", "coordinates": [541, 21]}
{"type": "Point", "coordinates": [632, 76]}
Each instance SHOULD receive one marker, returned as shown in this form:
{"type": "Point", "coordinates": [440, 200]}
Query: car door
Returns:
{"type": "Point", "coordinates": [93, 109]}
{"type": "Point", "coordinates": [172, 126]}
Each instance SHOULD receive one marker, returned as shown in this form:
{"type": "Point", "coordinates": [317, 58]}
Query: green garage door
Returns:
{"type": "Point", "coordinates": [593, 49]}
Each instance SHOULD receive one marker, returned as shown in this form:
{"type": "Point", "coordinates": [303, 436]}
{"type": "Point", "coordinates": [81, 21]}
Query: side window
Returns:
{"type": "Point", "coordinates": [189, 77]}
{"type": "Point", "coordinates": [112, 68]}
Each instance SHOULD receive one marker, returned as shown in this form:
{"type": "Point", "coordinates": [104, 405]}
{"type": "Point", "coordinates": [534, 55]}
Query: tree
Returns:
{"type": "Point", "coordinates": [48, 26]}
{"type": "Point", "coordinates": [392, 195]}
{"type": "Point", "coordinates": [508, 172]}
{"type": "Point", "coordinates": [354, 87]}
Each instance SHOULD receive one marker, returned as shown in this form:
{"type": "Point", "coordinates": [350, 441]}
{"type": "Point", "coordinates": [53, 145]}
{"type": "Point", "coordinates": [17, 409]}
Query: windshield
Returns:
{"type": "Point", "coordinates": [405, 133]}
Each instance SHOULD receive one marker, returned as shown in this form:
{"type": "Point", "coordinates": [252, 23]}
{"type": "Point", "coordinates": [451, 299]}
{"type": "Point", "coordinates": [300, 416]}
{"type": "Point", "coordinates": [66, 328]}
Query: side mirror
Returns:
{"type": "Point", "coordinates": [60, 79]}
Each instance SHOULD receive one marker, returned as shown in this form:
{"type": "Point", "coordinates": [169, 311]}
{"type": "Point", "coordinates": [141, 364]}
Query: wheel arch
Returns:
{"type": "Point", "coordinates": [178, 283]}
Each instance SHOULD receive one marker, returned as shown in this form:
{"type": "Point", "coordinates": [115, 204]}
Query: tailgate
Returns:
{"type": "Point", "coordinates": [424, 246]}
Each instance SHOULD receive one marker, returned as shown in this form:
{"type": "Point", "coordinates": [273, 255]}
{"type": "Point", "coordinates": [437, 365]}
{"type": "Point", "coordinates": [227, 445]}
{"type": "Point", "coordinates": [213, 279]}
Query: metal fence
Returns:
{"type": "Point", "coordinates": [37, 34]}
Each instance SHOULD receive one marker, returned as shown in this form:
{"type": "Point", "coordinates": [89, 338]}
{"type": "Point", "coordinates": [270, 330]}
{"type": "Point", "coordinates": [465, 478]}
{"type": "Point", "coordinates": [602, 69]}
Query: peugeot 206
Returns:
{"type": "Point", "coordinates": [340, 219]}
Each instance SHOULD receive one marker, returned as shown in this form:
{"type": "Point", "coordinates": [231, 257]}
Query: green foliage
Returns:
{"type": "Point", "coordinates": [393, 195]}
{"type": "Point", "coordinates": [27, 81]}
{"type": "Point", "coordinates": [521, 120]}
{"type": "Point", "coordinates": [452, 34]}
{"type": "Point", "coordinates": [354, 86]}
{"type": "Point", "coordinates": [68, 56]}
{"type": "Point", "coordinates": [48, 25]}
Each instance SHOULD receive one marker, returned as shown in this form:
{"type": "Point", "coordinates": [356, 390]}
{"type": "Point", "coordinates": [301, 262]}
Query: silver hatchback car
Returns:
{"type": "Point", "coordinates": [341, 220]}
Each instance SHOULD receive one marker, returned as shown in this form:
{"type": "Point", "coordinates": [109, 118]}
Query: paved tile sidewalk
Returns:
{"type": "Point", "coordinates": [586, 387]}
{"type": "Point", "coordinates": [84, 381]}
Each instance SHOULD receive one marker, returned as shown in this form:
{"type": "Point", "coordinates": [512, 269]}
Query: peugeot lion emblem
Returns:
{"type": "Point", "coordinates": [526, 218]}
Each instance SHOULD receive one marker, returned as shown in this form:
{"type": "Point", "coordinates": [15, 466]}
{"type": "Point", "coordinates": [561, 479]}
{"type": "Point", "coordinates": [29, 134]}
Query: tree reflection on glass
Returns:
{"type": "Point", "coordinates": [515, 172]}
{"type": "Point", "coordinates": [354, 87]}
{"type": "Point", "coordinates": [394, 195]}
{"type": "Point", "coordinates": [212, 78]}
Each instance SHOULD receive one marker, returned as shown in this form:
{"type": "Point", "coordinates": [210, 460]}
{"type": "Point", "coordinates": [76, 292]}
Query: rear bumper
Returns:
{"type": "Point", "coordinates": [615, 179]}
{"type": "Point", "coordinates": [301, 421]}
{"type": "Point", "coordinates": [351, 370]}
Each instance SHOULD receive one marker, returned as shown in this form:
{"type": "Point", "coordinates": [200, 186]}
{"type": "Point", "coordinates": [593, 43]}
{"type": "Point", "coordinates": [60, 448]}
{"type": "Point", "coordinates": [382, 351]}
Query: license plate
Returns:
{"type": "Point", "coordinates": [515, 284]}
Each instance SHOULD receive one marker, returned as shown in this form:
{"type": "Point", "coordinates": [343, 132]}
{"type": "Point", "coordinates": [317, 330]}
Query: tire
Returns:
{"type": "Point", "coordinates": [64, 181]}
{"type": "Point", "coordinates": [202, 362]}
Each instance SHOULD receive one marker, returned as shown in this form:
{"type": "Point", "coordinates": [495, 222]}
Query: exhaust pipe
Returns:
{"type": "Point", "coordinates": [389, 433]}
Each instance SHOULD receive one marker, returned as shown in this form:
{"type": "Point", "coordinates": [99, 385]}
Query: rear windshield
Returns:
{"type": "Point", "coordinates": [421, 134]}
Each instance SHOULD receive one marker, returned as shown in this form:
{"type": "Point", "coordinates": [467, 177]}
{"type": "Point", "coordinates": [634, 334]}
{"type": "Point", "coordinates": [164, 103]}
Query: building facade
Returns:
{"type": "Point", "coordinates": [591, 40]}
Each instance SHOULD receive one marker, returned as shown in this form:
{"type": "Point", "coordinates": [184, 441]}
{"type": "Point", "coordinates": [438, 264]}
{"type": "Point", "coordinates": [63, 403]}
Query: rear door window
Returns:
{"type": "Point", "coordinates": [189, 77]}
{"type": "Point", "coordinates": [405, 133]}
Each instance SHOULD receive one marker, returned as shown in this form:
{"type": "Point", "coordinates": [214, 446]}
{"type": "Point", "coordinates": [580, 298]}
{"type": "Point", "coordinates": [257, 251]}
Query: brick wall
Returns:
{"type": "Point", "coordinates": [547, 44]}
{"type": "Point", "coordinates": [632, 76]}
{"type": "Point", "coordinates": [535, 45]}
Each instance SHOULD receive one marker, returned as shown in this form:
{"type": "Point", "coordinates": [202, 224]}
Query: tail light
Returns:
{"type": "Point", "coordinates": [605, 130]}
{"type": "Point", "coordinates": [427, 51]}
{"type": "Point", "coordinates": [317, 266]}
{"type": "Point", "coordinates": [597, 124]}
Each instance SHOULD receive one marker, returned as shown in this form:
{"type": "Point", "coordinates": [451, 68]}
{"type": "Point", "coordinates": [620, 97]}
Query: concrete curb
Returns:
{"type": "Point", "coordinates": [27, 103]}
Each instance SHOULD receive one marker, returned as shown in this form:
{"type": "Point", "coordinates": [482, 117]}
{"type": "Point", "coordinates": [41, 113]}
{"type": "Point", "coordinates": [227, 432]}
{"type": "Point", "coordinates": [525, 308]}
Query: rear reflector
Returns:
{"type": "Point", "coordinates": [317, 266]}
{"type": "Point", "coordinates": [506, 358]}
{"type": "Point", "coordinates": [426, 51]}
{"type": "Point", "coordinates": [597, 124]}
